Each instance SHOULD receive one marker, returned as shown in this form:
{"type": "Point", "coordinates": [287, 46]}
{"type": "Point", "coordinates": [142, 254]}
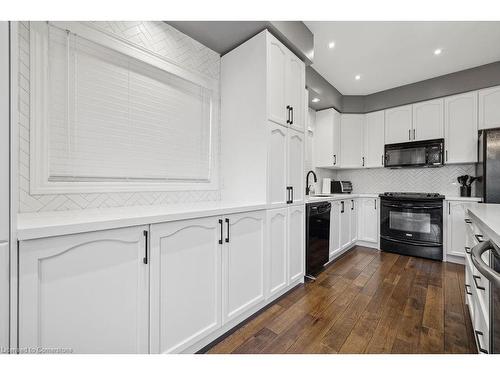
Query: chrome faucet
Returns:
{"type": "Point", "coordinates": [308, 189]}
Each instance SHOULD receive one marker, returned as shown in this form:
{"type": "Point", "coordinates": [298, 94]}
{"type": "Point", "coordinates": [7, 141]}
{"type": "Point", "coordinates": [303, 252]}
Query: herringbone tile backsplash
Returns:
{"type": "Point", "coordinates": [429, 180]}
{"type": "Point", "coordinates": [158, 37]}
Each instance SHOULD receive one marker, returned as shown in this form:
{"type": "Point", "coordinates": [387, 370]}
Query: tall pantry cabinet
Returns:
{"type": "Point", "coordinates": [263, 123]}
{"type": "Point", "coordinates": [263, 143]}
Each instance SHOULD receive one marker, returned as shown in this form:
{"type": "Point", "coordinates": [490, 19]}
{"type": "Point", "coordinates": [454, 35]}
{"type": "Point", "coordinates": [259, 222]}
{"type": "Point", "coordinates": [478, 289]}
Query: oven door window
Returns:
{"type": "Point", "coordinates": [410, 222]}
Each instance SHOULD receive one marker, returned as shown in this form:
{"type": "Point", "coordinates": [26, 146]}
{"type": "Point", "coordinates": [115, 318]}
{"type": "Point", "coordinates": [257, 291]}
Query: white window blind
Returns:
{"type": "Point", "coordinates": [111, 117]}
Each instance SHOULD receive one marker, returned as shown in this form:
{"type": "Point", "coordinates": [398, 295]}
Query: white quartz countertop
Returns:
{"type": "Point", "coordinates": [465, 199]}
{"type": "Point", "coordinates": [487, 215]}
{"type": "Point", "coordinates": [58, 223]}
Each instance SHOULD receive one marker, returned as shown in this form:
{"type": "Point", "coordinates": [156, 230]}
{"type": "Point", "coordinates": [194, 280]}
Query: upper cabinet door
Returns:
{"type": "Point", "coordinates": [296, 165]}
{"type": "Point", "coordinates": [398, 127]}
{"type": "Point", "coordinates": [351, 140]}
{"type": "Point", "coordinates": [243, 263]}
{"type": "Point", "coordinates": [183, 313]}
{"type": "Point", "coordinates": [295, 85]}
{"type": "Point", "coordinates": [277, 164]}
{"type": "Point", "coordinates": [374, 139]}
{"type": "Point", "coordinates": [489, 108]}
{"type": "Point", "coordinates": [460, 130]}
{"type": "Point", "coordinates": [327, 127]}
{"type": "Point", "coordinates": [278, 56]}
{"type": "Point", "coordinates": [88, 292]}
{"type": "Point", "coordinates": [428, 120]}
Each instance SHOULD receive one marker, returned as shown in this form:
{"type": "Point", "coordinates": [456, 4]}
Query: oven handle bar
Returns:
{"type": "Point", "coordinates": [412, 207]}
{"type": "Point", "coordinates": [482, 267]}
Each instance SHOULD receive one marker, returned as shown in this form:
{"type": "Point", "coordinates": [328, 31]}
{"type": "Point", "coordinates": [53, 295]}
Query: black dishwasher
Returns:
{"type": "Point", "coordinates": [317, 236]}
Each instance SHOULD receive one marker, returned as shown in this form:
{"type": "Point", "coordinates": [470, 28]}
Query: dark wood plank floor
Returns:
{"type": "Point", "coordinates": [366, 302]}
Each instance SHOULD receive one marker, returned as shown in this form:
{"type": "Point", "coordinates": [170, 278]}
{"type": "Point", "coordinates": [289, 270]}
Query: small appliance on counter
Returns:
{"type": "Point", "coordinates": [341, 187]}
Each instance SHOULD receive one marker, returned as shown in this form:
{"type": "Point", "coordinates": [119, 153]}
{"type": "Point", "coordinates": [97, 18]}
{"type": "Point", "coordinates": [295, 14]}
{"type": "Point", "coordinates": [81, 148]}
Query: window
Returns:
{"type": "Point", "coordinates": [108, 121]}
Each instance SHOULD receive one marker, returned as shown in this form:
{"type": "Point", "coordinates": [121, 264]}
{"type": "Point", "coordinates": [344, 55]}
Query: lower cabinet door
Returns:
{"type": "Point", "coordinates": [85, 293]}
{"type": "Point", "coordinates": [185, 282]}
{"type": "Point", "coordinates": [345, 224]}
{"type": "Point", "coordinates": [456, 230]}
{"type": "Point", "coordinates": [277, 249]}
{"type": "Point", "coordinates": [368, 219]}
{"type": "Point", "coordinates": [296, 243]}
{"type": "Point", "coordinates": [243, 263]}
{"type": "Point", "coordinates": [334, 229]}
{"type": "Point", "coordinates": [354, 220]}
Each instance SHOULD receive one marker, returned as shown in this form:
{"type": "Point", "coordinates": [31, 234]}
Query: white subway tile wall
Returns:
{"type": "Point", "coordinates": [430, 180]}
{"type": "Point", "coordinates": [157, 37]}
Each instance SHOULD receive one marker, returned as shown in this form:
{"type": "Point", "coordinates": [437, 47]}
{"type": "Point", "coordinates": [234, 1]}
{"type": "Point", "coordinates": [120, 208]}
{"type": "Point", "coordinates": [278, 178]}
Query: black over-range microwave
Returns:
{"type": "Point", "coordinates": [415, 154]}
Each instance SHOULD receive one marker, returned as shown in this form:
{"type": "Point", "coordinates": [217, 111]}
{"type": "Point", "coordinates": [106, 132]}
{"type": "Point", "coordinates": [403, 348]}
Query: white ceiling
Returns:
{"type": "Point", "coordinates": [391, 54]}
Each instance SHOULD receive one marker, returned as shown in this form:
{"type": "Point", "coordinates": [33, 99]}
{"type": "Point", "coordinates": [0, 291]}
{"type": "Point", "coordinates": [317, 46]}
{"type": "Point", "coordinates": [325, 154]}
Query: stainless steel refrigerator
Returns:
{"type": "Point", "coordinates": [488, 166]}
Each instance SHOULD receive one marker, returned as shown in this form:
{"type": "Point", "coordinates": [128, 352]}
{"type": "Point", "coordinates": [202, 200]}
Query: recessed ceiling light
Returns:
{"type": "Point", "coordinates": [357, 77]}
{"type": "Point", "coordinates": [331, 44]}
{"type": "Point", "coordinates": [315, 100]}
{"type": "Point", "coordinates": [438, 51]}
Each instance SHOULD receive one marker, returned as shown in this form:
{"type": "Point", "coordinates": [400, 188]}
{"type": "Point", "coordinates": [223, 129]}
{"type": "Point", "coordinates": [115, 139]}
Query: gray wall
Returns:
{"type": "Point", "coordinates": [449, 84]}
{"type": "Point", "coordinates": [319, 87]}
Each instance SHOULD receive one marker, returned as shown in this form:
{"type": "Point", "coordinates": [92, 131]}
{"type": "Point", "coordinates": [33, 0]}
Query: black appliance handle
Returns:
{"type": "Point", "coordinates": [410, 206]}
{"type": "Point", "coordinates": [227, 223]}
{"type": "Point", "coordinates": [483, 268]}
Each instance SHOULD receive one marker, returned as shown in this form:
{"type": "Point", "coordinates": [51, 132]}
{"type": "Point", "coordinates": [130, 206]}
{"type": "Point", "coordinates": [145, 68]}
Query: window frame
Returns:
{"type": "Point", "coordinates": [40, 182]}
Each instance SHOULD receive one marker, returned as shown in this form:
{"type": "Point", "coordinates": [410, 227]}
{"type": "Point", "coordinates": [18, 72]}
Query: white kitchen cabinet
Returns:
{"type": "Point", "coordinates": [295, 85]}
{"type": "Point", "coordinates": [286, 83]}
{"type": "Point", "coordinates": [345, 224]}
{"type": "Point", "coordinates": [296, 243]}
{"type": "Point", "coordinates": [327, 139]}
{"type": "Point", "coordinates": [286, 165]}
{"type": "Point", "coordinates": [456, 233]}
{"type": "Point", "coordinates": [85, 292]}
{"type": "Point", "coordinates": [335, 229]}
{"type": "Point", "coordinates": [243, 263]}
{"type": "Point", "coordinates": [428, 120]}
{"type": "Point", "coordinates": [262, 86]}
{"type": "Point", "coordinates": [278, 162]}
{"type": "Point", "coordinates": [373, 139]}
{"type": "Point", "coordinates": [310, 131]}
{"type": "Point", "coordinates": [489, 108]}
{"type": "Point", "coordinates": [185, 307]}
{"type": "Point", "coordinates": [368, 223]}
{"type": "Point", "coordinates": [295, 166]}
{"type": "Point", "coordinates": [353, 227]}
{"type": "Point", "coordinates": [398, 124]}
{"type": "Point", "coordinates": [277, 224]}
{"type": "Point", "coordinates": [351, 140]}
{"type": "Point", "coordinates": [276, 81]}
{"type": "Point", "coordinates": [460, 128]}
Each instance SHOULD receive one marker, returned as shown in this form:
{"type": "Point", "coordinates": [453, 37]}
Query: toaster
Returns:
{"type": "Point", "coordinates": [341, 187]}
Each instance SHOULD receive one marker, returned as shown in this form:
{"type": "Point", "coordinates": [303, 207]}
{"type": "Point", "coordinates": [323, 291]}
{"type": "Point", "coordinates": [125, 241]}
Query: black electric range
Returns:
{"type": "Point", "coordinates": [412, 224]}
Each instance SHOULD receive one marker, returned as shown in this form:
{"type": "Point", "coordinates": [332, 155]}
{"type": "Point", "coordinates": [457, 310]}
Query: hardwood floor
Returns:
{"type": "Point", "coordinates": [366, 302]}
